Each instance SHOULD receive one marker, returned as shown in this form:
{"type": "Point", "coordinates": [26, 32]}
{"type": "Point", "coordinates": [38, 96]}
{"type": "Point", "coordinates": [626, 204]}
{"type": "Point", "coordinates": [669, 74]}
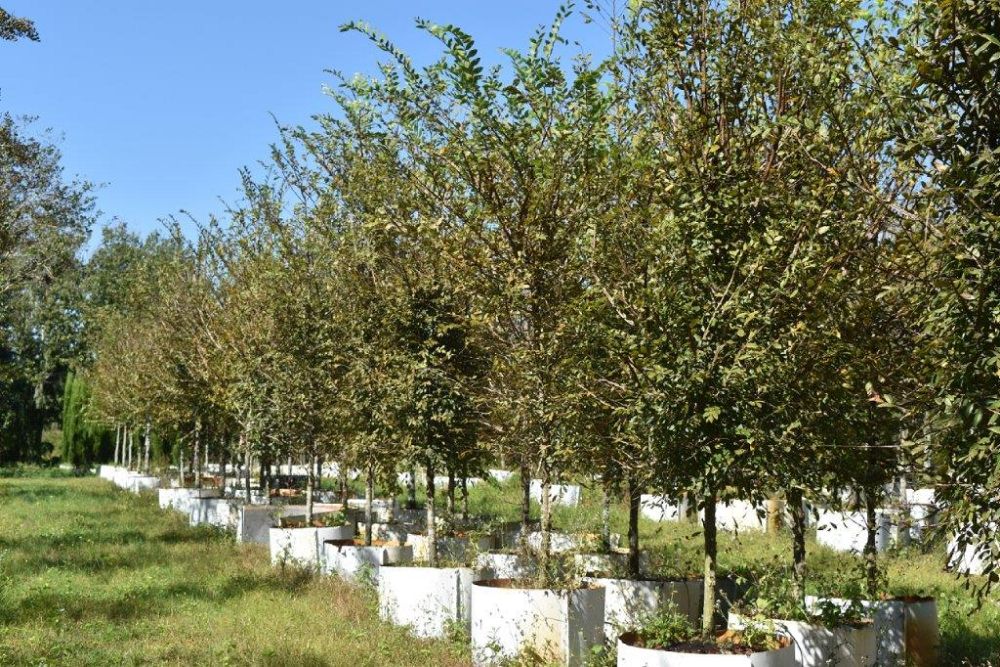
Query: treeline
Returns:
{"type": "Point", "coordinates": [756, 251]}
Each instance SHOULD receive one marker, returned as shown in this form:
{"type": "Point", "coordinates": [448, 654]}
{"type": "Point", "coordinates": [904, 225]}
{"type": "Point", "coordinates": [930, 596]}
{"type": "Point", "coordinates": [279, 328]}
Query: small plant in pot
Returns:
{"type": "Point", "coordinates": [824, 633]}
{"type": "Point", "coordinates": [667, 638]}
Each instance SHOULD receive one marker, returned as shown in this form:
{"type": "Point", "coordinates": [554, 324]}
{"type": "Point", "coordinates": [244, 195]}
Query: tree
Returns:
{"type": "Point", "coordinates": [949, 140]}
{"type": "Point", "coordinates": [763, 148]}
{"type": "Point", "coordinates": [13, 28]}
{"type": "Point", "coordinates": [512, 164]}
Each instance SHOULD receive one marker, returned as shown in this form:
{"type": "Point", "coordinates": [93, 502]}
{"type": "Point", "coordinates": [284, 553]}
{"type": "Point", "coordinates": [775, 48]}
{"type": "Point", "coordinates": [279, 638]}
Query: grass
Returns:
{"type": "Point", "coordinates": [90, 575]}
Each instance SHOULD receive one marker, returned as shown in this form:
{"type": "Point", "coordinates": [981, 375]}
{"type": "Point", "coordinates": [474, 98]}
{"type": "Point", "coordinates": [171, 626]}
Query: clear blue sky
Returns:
{"type": "Point", "coordinates": [162, 102]}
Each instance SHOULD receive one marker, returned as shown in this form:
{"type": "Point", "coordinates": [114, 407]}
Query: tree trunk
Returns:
{"type": "Point", "coordinates": [546, 516]}
{"type": "Point", "coordinates": [606, 511]}
{"type": "Point", "coordinates": [711, 555]}
{"type": "Point", "coordinates": [525, 499]}
{"type": "Point", "coordinates": [465, 497]}
{"type": "Point", "coordinates": [223, 460]}
{"type": "Point", "coordinates": [196, 460]}
{"type": "Point", "coordinates": [128, 449]}
{"type": "Point", "coordinates": [118, 435]}
{"type": "Point", "coordinates": [145, 464]}
{"type": "Point", "coordinates": [798, 513]}
{"type": "Point", "coordinates": [369, 497]}
{"type": "Point", "coordinates": [180, 465]}
{"type": "Point", "coordinates": [634, 497]}
{"type": "Point", "coordinates": [310, 479]}
{"type": "Point", "coordinates": [246, 474]}
{"type": "Point", "coordinates": [411, 488]}
{"type": "Point", "coordinates": [451, 491]}
{"type": "Point", "coordinates": [344, 491]}
{"type": "Point", "coordinates": [871, 549]}
{"type": "Point", "coordinates": [431, 519]}
{"type": "Point", "coordinates": [773, 515]}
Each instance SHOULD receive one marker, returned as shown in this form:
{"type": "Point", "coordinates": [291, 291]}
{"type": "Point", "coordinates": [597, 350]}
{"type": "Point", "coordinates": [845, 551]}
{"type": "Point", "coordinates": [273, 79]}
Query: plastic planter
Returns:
{"type": "Point", "coordinates": [906, 628]}
{"type": "Point", "coordinates": [457, 549]}
{"type": "Point", "coordinates": [428, 600]}
{"type": "Point", "coordinates": [557, 626]}
{"type": "Point", "coordinates": [630, 655]}
{"type": "Point", "coordinates": [501, 565]}
{"type": "Point", "coordinates": [847, 531]}
{"type": "Point", "coordinates": [349, 560]}
{"type": "Point", "coordinates": [559, 494]}
{"type": "Point", "coordinates": [854, 645]}
{"type": "Point", "coordinates": [304, 546]}
{"type": "Point", "coordinates": [627, 601]}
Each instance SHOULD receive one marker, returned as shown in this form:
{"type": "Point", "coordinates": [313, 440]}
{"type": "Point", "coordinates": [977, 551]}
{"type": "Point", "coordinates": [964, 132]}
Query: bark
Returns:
{"type": "Point", "coordinates": [799, 573]}
{"type": "Point", "coordinates": [223, 460]}
{"type": "Point", "coordinates": [128, 449]}
{"type": "Point", "coordinates": [145, 464]}
{"type": "Point", "coordinates": [180, 465]}
{"type": "Point", "coordinates": [344, 491]}
{"type": "Point", "coordinates": [711, 565]}
{"type": "Point", "coordinates": [118, 435]}
{"type": "Point", "coordinates": [871, 551]}
{"type": "Point", "coordinates": [546, 516]}
{"type": "Point", "coordinates": [431, 519]}
{"type": "Point", "coordinates": [451, 491]}
{"type": "Point", "coordinates": [634, 498]}
{"type": "Point", "coordinates": [246, 475]}
{"type": "Point", "coordinates": [773, 515]}
{"type": "Point", "coordinates": [369, 497]}
{"type": "Point", "coordinates": [196, 459]}
{"type": "Point", "coordinates": [606, 511]}
{"type": "Point", "coordinates": [310, 480]}
{"type": "Point", "coordinates": [465, 497]}
{"type": "Point", "coordinates": [411, 489]}
{"type": "Point", "coordinates": [525, 499]}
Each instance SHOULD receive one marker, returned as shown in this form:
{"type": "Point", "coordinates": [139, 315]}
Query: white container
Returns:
{"type": "Point", "coordinates": [386, 532]}
{"type": "Point", "coordinates": [140, 483]}
{"type": "Point", "coordinates": [304, 546]}
{"type": "Point", "coordinates": [658, 508]}
{"type": "Point", "coordinates": [500, 475]}
{"type": "Point", "coordinates": [349, 560]}
{"type": "Point", "coordinates": [567, 495]}
{"type": "Point", "coordinates": [557, 626]}
{"type": "Point", "coordinates": [499, 565]}
{"type": "Point", "coordinates": [906, 628]}
{"type": "Point", "coordinates": [848, 531]}
{"type": "Point", "coordinates": [215, 512]}
{"type": "Point", "coordinates": [562, 542]}
{"type": "Point", "coordinates": [820, 646]}
{"type": "Point", "coordinates": [923, 509]}
{"type": "Point", "coordinates": [628, 601]}
{"type": "Point", "coordinates": [456, 549]}
{"type": "Point", "coordinates": [106, 471]}
{"type": "Point", "coordinates": [635, 656]}
{"type": "Point", "coordinates": [739, 516]}
{"type": "Point", "coordinates": [180, 499]}
{"type": "Point", "coordinates": [428, 600]}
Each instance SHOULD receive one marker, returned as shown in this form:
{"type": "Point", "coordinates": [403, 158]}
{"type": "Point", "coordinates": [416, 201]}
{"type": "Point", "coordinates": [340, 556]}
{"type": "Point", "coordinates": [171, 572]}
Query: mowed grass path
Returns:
{"type": "Point", "coordinates": [90, 575]}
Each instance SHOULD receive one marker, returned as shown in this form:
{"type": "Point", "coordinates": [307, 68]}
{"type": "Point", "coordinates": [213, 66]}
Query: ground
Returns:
{"type": "Point", "coordinates": [91, 575]}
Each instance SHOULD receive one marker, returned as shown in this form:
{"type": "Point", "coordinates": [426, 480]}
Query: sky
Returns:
{"type": "Point", "coordinates": [161, 103]}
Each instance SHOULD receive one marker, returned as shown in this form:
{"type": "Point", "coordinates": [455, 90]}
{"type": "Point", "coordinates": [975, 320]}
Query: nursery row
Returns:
{"type": "Point", "coordinates": [487, 586]}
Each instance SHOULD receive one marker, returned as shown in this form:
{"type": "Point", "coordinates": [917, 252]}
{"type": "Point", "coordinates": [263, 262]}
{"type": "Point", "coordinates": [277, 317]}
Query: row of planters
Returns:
{"type": "Point", "coordinates": [579, 604]}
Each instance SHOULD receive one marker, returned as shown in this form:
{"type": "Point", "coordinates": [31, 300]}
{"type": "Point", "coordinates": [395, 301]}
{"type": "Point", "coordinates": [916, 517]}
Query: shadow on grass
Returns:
{"type": "Point", "coordinates": [145, 601]}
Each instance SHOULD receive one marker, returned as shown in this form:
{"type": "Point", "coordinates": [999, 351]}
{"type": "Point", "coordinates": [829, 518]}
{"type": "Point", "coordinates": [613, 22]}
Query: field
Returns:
{"type": "Point", "coordinates": [90, 575]}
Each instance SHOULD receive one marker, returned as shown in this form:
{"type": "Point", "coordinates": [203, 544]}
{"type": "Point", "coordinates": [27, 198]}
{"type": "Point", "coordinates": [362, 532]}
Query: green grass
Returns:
{"type": "Point", "coordinates": [90, 575]}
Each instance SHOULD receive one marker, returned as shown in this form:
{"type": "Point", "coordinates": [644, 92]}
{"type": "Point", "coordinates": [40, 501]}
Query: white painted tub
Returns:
{"type": "Point", "coordinates": [559, 626]}
{"type": "Point", "coordinates": [304, 546]}
{"type": "Point", "coordinates": [628, 601]}
{"type": "Point", "coordinates": [635, 656]}
{"type": "Point", "coordinates": [349, 560]}
{"type": "Point", "coordinates": [427, 600]}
